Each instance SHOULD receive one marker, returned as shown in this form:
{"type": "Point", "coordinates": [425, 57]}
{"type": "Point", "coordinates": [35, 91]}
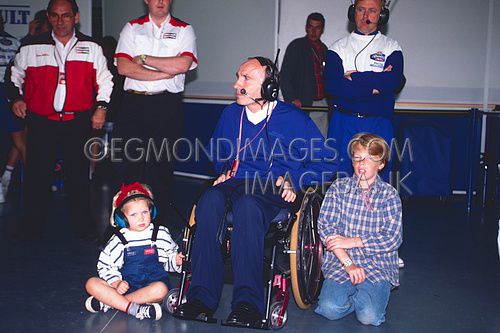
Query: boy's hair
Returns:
{"type": "Point", "coordinates": [375, 145]}
{"type": "Point", "coordinates": [129, 193]}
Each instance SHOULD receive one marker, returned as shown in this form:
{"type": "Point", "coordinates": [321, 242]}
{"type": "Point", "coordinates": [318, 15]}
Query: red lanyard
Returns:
{"type": "Point", "coordinates": [366, 196]}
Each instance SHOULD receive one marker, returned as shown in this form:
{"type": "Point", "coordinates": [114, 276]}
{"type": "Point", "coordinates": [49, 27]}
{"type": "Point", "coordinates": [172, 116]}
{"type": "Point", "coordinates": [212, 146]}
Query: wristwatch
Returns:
{"type": "Point", "coordinates": [143, 58]}
{"type": "Point", "coordinates": [347, 262]}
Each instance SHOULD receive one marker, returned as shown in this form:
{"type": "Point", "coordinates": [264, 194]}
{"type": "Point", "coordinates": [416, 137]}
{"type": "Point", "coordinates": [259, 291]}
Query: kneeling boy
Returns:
{"type": "Point", "coordinates": [360, 225]}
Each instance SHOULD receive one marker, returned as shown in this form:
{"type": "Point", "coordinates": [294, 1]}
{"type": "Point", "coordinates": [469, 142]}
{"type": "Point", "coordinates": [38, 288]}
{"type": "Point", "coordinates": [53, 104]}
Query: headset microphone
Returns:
{"type": "Point", "coordinates": [256, 100]}
{"type": "Point", "coordinates": [369, 22]}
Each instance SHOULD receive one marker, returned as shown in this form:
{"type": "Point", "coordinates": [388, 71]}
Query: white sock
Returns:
{"type": "Point", "coordinates": [8, 172]}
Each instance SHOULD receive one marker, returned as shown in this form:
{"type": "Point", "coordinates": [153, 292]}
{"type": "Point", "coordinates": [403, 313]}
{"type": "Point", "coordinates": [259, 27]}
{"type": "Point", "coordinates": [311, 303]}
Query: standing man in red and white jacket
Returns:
{"type": "Point", "coordinates": [154, 53]}
{"type": "Point", "coordinates": [62, 87]}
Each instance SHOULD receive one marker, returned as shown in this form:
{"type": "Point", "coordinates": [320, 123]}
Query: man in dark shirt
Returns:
{"type": "Point", "coordinates": [302, 70]}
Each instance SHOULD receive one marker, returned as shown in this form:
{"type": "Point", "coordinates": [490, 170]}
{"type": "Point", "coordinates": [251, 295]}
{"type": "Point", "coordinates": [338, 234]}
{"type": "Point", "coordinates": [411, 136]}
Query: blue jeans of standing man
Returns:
{"type": "Point", "coordinates": [368, 300]}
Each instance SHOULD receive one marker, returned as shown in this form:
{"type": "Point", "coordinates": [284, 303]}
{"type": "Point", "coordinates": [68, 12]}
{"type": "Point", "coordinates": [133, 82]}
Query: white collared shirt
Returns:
{"type": "Point", "coordinates": [61, 52]}
{"type": "Point", "coordinates": [257, 117]}
{"type": "Point", "coordinates": [172, 38]}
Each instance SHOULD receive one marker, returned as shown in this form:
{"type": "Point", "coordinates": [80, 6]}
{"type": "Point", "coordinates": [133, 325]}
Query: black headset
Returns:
{"type": "Point", "coordinates": [120, 218]}
{"type": "Point", "coordinates": [271, 85]}
{"type": "Point", "coordinates": [382, 20]}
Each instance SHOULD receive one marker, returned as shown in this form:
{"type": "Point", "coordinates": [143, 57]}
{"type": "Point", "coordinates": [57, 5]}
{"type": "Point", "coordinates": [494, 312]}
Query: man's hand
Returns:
{"type": "Point", "coordinates": [297, 103]}
{"type": "Point", "coordinates": [387, 69]}
{"type": "Point", "coordinates": [288, 194]}
{"type": "Point", "coordinates": [98, 118]}
{"type": "Point", "coordinates": [19, 108]}
{"type": "Point", "coordinates": [340, 242]}
{"type": "Point", "coordinates": [347, 75]}
{"type": "Point", "coordinates": [356, 274]}
{"type": "Point", "coordinates": [222, 178]}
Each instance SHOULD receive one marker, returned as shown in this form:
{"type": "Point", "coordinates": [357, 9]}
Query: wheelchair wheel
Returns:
{"type": "Point", "coordinates": [187, 230]}
{"type": "Point", "coordinates": [192, 220]}
{"type": "Point", "coordinates": [171, 301]}
{"type": "Point", "coordinates": [306, 251]}
{"type": "Point", "coordinates": [277, 316]}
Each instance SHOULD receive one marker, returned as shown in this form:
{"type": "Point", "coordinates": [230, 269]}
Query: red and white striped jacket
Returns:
{"type": "Point", "coordinates": [35, 75]}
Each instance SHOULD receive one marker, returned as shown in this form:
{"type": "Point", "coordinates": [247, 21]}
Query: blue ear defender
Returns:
{"type": "Point", "coordinates": [120, 218]}
{"type": "Point", "coordinates": [120, 222]}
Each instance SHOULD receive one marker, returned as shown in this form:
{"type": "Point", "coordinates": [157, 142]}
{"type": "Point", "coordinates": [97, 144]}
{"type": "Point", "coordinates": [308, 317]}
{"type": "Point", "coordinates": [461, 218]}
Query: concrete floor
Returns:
{"type": "Point", "coordinates": [451, 282]}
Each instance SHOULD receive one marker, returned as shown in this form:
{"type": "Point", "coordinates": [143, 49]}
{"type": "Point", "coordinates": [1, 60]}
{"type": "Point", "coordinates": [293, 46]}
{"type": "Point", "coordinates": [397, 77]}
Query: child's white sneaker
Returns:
{"type": "Point", "coordinates": [93, 305]}
{"type": "Point", "coordinates": [149, 311]}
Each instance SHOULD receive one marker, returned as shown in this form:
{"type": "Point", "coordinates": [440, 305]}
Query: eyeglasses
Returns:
{"type": "Point", "coordinates": [358, 158]}
{"type": "Point", "coordinates": [63, 17]}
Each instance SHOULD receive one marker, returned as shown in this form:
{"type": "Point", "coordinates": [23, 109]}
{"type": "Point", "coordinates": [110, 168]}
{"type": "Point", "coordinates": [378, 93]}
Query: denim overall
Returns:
{"type": "Point", "coordinates": [141, 265]}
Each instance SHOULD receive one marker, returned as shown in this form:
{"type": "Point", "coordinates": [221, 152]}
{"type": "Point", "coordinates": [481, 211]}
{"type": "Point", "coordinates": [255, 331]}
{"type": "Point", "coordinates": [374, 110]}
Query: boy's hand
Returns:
{"type": "Point", "coordinates": [122, 287]}
{"type": "Point", "coordinates": [356, 274]}
{"type": "Point", "coordinates": [178, 259]}
{"type": "Point", "coordinates": [340, 242]}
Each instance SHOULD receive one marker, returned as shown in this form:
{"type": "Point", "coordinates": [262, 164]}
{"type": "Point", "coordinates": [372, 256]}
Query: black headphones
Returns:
{"type": "Point", "coordinates": [382, 20]}
{"type": "Point", "coordinates": [120, 218]}
{"type": "Point", "coordinates": [271, 85]}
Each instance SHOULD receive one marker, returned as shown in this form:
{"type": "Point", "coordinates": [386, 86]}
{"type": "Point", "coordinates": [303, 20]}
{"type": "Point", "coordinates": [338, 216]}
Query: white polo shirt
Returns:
{"type": "Point", "coordinates": [172, 38]}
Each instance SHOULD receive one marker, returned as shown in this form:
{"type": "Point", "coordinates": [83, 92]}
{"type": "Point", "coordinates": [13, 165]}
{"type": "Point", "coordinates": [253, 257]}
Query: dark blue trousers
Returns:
{"type": "Point", "coordinates": [343, 127]}
{"type": "Point", "coordinates": [252, 214]}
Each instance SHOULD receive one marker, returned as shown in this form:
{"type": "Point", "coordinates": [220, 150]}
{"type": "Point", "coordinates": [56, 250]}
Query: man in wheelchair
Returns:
{"type": "Point", "coordinates": [275, 150]}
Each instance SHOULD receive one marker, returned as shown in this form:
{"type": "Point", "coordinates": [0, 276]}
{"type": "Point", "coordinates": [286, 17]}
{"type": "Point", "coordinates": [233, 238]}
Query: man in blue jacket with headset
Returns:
{"type": "Point", "coordinates": [363, 72]}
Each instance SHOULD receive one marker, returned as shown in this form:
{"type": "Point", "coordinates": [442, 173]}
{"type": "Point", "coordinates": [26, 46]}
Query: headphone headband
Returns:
{"type": "Point", "coordinates": [132, 197]}
{"type": "Point", "coordinates": [383, 17]}
{"type": "Point", "coordinates": [271, 85]}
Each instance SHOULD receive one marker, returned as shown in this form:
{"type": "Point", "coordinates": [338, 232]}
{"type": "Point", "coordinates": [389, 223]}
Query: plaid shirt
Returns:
{"type": "Point", "coordinates": [344, 213]}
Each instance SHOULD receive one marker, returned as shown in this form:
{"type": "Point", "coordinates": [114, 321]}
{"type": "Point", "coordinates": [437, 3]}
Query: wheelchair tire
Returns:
{"type": "Point", "coordinates": [192, 220]}
{"type": "Point", "coordinates": [277, 316]}
{"type": "Point", "coordinates": [171, 300]}
{"type": "Point", "coordinates": [306, 251]}
{"type": "Point", "coordinates": [187, 230]}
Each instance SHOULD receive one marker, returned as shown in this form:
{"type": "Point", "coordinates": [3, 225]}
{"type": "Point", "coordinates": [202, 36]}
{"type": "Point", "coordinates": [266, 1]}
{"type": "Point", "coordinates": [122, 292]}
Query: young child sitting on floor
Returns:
{"type": "Point", "coordinates": [133, 265]}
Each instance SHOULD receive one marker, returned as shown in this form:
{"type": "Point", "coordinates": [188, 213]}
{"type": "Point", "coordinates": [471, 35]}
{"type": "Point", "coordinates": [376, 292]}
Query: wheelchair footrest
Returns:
{"type": "Point", "coordinates": [260, 325]}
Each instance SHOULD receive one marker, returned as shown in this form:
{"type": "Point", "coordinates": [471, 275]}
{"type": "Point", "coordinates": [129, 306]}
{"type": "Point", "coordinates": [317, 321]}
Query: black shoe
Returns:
{"type": "Point", "coordinates": [195, 310]}
{"type": "Point", "coordinates": [244, 314]}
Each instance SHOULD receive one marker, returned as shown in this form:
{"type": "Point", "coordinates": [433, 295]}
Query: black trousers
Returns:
{"type": "Point", "coordinates": [45, 138]}
{"type": "Point", "coordinates": [145, 131]}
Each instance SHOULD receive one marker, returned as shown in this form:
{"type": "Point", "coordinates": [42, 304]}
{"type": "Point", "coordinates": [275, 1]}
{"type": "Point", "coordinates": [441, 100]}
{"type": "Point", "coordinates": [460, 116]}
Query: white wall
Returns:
{"type": "Point", "coordinates": [444, 41]}
{"type": "Point", "coordinates": [227, 32]}
{"type": "Point", "coordinates": [444, 44]}
{"type": "Point", "coordinates": [18, 13]}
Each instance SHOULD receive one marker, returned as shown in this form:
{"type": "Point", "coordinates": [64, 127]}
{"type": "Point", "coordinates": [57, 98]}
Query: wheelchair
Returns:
{"type": "Point", "coordinates": [295, 257]}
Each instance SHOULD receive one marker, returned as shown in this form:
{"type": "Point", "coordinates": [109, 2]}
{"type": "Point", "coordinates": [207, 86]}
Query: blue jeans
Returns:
{"type": "Point", "coordinates": [368, 300]}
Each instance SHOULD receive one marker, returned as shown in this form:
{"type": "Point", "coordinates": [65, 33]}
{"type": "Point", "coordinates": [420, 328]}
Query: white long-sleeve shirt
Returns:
{"type": "Point", "coordinates": [111, 258]}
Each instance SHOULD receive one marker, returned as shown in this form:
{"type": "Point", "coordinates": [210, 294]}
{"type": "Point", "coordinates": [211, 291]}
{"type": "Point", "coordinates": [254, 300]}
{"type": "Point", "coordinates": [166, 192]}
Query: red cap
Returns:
{"type": "Point", "coordinates": [126, 190]}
